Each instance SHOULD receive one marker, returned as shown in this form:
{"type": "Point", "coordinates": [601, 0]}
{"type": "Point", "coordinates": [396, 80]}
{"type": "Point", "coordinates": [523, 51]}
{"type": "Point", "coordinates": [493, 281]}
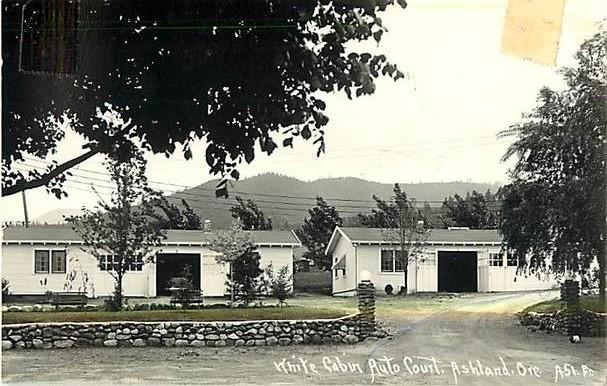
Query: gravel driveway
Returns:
{"type": "Point", "coordinates": [473, 341]}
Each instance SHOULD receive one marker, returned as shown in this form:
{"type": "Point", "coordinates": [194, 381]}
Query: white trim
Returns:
{"type": "Point", "coordinates": [171, 243]}
{"type": "Point", "coordinates": [330, 247]}
{"type": "Point", "coordinates": [343, 256]}
{"type": "Point", "coordinates": [296, 238]}
{"type": "Point", "coordinates": [50, 261]}
{"type": "Point", "coordinates": [434, 243]}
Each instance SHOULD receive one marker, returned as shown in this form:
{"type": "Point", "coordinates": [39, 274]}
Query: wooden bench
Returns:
{"type": "Point", "coordinates": [195, 297]}
{"type": "Point", "coordinates": [69, 299]}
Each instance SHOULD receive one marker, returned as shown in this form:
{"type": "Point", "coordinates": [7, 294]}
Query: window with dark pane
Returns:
{"type": "Point", "coordinates": [387, 260]}
{"type": "Point", "coordinates": [58, 263]}
{"type": "Point", "coordinates": [41, 261]}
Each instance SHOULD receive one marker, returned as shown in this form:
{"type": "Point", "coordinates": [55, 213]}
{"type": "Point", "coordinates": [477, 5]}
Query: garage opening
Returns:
{"type": "Point", "coordinates": [170, 265]}
{"type": "Point", "coordinates": [457, 271]}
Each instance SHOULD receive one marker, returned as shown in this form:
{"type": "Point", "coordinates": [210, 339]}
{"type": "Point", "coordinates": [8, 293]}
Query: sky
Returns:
{"type": "Point", "coordinates": [438, 124]}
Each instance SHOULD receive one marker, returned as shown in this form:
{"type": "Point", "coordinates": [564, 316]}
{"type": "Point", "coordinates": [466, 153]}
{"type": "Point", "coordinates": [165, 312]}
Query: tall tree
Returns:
{"type": "Point", "coordinates": [120, 233]}
{"type": "Point", "coordinates": [554, 208]}
{"type": "Point", "coordinates": [473, 211]}
{"type": "Point", "coordinates": [317, 230]}
{"type": "Point", "coordinates": [232, 245]}
{"type": "Point", "coordinates": [250, 216]}
{"type": "Point", "coordinates": [172, 216]}
{"type": "Point", "coordinates": [235, 73]}
{"type": "Point", "coordinates": [403, 223]}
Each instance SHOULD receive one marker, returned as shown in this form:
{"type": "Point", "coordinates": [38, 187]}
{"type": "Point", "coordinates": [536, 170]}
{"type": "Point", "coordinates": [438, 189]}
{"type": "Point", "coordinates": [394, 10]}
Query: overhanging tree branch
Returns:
{"type": "Point", "coordinates": [46, 178]}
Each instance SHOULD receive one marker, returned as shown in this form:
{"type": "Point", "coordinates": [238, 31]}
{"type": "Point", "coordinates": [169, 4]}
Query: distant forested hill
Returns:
{"type": "Point", "coordinates": [287, 199]}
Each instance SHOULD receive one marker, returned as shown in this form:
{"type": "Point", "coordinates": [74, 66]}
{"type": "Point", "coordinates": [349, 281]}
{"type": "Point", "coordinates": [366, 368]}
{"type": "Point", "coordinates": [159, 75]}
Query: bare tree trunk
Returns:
{"type": "Point", "coordinates": [118, 298]}
{"type": "Point", "coordinates": [602, 261]}
{"type": "Point", "coordinates": [231, 285]}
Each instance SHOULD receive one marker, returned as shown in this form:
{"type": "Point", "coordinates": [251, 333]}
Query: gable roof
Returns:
{"type": "Point", "coordinates": [66, 235]}
{"type": "Point", "coordinates": [381, 236]}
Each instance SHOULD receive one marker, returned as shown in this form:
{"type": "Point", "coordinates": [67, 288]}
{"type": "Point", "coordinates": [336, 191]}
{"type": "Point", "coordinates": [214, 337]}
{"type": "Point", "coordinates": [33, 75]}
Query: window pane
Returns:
{"type": "Point", "coordinates": [387, 260]}
{"type": "Point", "coordinates": [511, 260]}
{"type": "Point", "coordinates": [398, 262]}
{"type": "Point", "coordinates": [41, 261]}
{"type": "Point", "coordinates": [496, 260]}
{"type": "Point", "coordinates": [103, 263]}
{"type": "Point", "coordinates": [58, 261]}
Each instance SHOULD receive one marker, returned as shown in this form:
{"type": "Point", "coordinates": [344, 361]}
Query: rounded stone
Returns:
{"type": "Point", "coordinates": [284, 341]}
{"type": "Point", "coordinates": [110, 343]}
{"type": "Point", "coordinates": [271, 341]}
{"type": "Point", "coordinates": [7, 345]}
{"type": "Point", "coordinates": [351, 339]}
{"type": "Point", "coordinates": [181, 343]}
{"type": "Point", "coordinates": [63, 343]}
{"type": "Point", "coordinates": [138, 343]}
{"type": "Point", "coordinates": [239, 342]}
{"type": "Point", "coordinates": [197, 343]}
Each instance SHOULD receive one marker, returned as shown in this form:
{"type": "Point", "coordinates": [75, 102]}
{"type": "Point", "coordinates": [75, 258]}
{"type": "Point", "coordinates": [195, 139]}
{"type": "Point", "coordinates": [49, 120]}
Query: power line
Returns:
{"type": "Point", "coordinates": [234, 191]}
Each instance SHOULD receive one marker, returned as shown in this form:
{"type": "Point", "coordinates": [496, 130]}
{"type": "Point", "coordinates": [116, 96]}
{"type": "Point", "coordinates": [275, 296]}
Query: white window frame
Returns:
{"type": "Point", "coordinates": [104, 263]}
{"type": "Point", "coordinates": [50, 261]}
{"type": "Point", "coordinates": [393, 271]}
{"type": "Point", "coordinates": [492, 259]}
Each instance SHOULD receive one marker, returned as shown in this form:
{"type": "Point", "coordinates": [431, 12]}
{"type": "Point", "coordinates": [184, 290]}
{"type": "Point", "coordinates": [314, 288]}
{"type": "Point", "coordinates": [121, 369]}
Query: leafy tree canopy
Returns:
{"type": "Point", "coordinates": [122, 227]}
{"type": "Point", "coordinates": [316, 232]}
{"type": "Point", "coordinates": [554, 206]}
{"type": "Point", "coordinates": [242, 75]}
{"type": "Point", "coordinates": [473, 211]}
{"type": "Point", "coordinates": [388, 214]}
{"type": "Point", "coordinates": [171, 216]}
{"type": "Point", "coordinates": [404, 223]}
{"type": "Point", "coordinates": [250, 216]}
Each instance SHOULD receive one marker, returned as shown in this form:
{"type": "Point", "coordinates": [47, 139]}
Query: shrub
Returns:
{"type": "Point", "coordinates": [280, 284]}
{"type": "Point", "coordinates": [245, 277]}
{"type": "Point", "coordinates": [6, 288]}
{"type": "Point", "coordinates": [183, 287]}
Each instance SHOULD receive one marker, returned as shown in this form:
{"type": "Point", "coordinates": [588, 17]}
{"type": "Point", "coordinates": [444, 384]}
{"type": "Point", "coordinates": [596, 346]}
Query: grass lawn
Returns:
{"type": "Point", "coordinates": [203, 315]}
{"type": "Point", "coordinates": [590, 303]}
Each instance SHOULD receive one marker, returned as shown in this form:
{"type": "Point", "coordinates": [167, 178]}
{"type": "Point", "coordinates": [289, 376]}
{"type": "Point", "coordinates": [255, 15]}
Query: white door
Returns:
{"type": "Point", "coordinates": [214, 276]}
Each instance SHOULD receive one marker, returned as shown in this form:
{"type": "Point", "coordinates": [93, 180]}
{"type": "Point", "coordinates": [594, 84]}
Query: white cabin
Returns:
{"type": "Point", "coordinates": [451, 260]}
{"type": "Point", "coordinates": [38, 259]}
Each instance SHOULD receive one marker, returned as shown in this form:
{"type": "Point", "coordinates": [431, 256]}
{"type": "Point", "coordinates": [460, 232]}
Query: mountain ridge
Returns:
{"type": "Point", "coordinates": [286, 199]}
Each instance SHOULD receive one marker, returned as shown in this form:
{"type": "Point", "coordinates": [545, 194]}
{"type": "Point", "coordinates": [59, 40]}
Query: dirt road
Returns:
{"type": "Point", "coordinates": [472, 341]}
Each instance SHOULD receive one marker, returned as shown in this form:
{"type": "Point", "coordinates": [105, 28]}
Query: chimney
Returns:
{"type": "Point", "coordinates": [207, 225]}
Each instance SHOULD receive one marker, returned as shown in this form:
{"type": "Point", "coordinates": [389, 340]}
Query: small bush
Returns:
{"type": "Point", "coordinates": [6, 288]}
{"type": "Point", "coordinates": [280, 284]}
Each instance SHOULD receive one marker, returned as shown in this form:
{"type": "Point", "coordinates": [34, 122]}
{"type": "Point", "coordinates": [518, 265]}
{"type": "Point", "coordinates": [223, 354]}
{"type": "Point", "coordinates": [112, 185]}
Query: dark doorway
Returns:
{"type": "Point", "coordinates": [457, 271]}
{"type": "Point", "coordinates": [169, 265]}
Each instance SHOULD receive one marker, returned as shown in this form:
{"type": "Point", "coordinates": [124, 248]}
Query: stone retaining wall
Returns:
{"type": "Point", "coordinates": [584, 323]}
{"type": "Point", "coordinates": [194, 334]}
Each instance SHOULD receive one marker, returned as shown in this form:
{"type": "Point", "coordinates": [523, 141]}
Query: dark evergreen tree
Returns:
{"type": "Point", "coordinates": [473, 211]}
{"type": "Point", "coordinates": [250, 216]}
{"type": "Point", "coordinates": [317, 230]}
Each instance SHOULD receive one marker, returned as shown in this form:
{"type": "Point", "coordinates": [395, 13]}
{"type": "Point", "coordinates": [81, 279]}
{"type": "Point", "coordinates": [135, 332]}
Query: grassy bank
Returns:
{"type": "Point", "coordinates": [590, 303]}
{"type": "Point", "coordinates": [203, 315]}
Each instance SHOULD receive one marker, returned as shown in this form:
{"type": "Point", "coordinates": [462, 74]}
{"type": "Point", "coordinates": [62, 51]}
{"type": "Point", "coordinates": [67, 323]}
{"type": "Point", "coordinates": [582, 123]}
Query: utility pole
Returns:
{"type": "Point", "coordinates": [27, 222]}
